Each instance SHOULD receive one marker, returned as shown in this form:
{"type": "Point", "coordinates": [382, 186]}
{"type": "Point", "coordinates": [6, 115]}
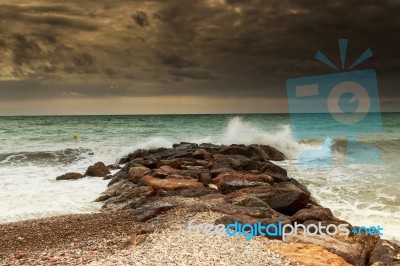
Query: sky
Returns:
{"type": "Point", "coordinates": [184, 56]}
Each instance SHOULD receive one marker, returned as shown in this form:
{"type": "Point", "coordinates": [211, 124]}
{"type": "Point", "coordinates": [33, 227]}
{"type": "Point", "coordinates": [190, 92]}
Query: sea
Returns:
{"type": "Point", "coordinates": [34, 150]}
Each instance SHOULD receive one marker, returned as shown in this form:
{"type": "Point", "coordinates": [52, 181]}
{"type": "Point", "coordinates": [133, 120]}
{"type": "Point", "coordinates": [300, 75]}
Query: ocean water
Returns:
{"type": "Point", "coordinates": [35, 150]}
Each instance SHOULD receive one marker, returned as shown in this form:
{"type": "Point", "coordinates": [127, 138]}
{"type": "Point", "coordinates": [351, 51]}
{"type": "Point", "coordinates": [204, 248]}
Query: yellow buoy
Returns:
{"type": "Point", "coordinates": [75, 136]}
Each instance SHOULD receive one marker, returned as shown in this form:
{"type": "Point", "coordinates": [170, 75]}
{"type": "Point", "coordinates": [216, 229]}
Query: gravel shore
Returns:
{"type": "Point", "coordinates": [117, 239]}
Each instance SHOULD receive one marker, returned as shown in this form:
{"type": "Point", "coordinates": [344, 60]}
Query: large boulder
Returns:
{"type": "Point", "coordinates": [98, 169]}
{"type": "Point", "coordinates": [70, 176]}
{"type": "Point", "coordinates": [174, 163]}
{"type": "Point", "coordinates": [234, 176]}
{"type": "Point", "coordinates": [273, 154]}
{"type": "Point", "coordinates": [352, 253]}
{"type": "Point", "coordinates": [385, 253]}
{"type": "Point", "coordinates": [170, 184]}
{"type": "Point", "coordinates": [309, 254]}
{"type": "Point", "coordinates": [283, 197]}
{"type": "Point", "coordinates": [115, 190]}
{"type": "Point", "coordinates": [201, 154]}
{"type": "Point", "coordinates": [229, 186]}
{"type": "Point", "coordinates": [136, 173]}
{"type": "Point", "coordinates": [323, 214]}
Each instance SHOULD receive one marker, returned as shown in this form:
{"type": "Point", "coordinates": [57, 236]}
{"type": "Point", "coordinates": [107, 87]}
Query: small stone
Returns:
{"type": "Point", "coordinates": [19, 255]}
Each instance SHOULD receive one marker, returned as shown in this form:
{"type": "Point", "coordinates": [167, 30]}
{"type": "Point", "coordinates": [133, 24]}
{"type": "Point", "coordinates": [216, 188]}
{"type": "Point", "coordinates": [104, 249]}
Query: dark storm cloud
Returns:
{"type": "Point", "coordinates": [184, 47]}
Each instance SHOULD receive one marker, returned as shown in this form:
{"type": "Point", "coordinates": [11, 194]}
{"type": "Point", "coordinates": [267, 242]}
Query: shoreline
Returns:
{"type": "Point", "coordinates": [151, 199]}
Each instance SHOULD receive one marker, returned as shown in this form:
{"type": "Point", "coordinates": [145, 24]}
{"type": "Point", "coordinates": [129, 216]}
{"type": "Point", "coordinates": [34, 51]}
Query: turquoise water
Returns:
{"type": "Point", "coordinates": [34, 150]}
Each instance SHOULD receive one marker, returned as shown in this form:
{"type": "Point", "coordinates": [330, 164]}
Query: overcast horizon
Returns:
{"type": "Point", "coordinates": [184, 57]}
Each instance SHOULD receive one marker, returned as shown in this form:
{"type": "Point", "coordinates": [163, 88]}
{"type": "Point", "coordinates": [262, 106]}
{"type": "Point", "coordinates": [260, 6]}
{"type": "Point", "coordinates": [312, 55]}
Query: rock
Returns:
{"type": "Point", "coordinates": [70, 176]}
{"type": "Point", "coordinates": [151, 210]}
{"type": "Point", "coordinates": [114, 166]}
{"type": "Point", "coordinates": [19, 255]}
{"type": "Point", "coordinates": [201, 154]}
{"type": "Point", "coordinates": [175, 163]}
{"type": "Point", "coordinates": [147, 162]}
{"type": "Point", "coordinates": [98, 169]}
{"type": "Point", "coordinates": [309, 254]}
{"type": "Point", "coordinates": [385, 253]}
{"type": "Point", "coordinates": [115, 190]}
{"type": "Point", "coordinates": [135, 192]}
{"type": "Point", "coordinates": [256, 212]}
{"type": "Point", "coordinates": [273, 154]}
{"type": "Point", "coordinates": [170, 184]}
{"type": "Point", "coordinates": [351, 253]}
{"type": "Point", "coordinates": [122, 174]}
{"type": "Point", "coordinates": [168, 169]}
{"type": "Point", "coordinates": [136, 173]}
{"type": "Point", "coordinates": [229, 186]}
{"type": "Point", "coordinates": [231, 176]}
{"type": "Point", "coordinates": [194, 173]}
{"type": "Point", "coordinates": [190, 192]}
{"type": "Point", "coordinates": [205, 178]}
{"type": "Point", "coordinates": [108, 177]}
{"type": "Point", "coordinates": [236, 150]}
{"type": "Point", "coordinates": [303, 215]}
{"type": "Point", "coordinates": [284, 197]}
{"type": "Point", "coordinates": [194, 167]}
{"type": "Point", "coordinates": [289, 202]}
{"type": "Point", "coordinates": [268, 167]}
{"type": "Point", "coordinates": [220, 161]}
{"type": "Point", "coordinates": [217, 171]}
{"type": "Point", "coordinates": [249, 201]}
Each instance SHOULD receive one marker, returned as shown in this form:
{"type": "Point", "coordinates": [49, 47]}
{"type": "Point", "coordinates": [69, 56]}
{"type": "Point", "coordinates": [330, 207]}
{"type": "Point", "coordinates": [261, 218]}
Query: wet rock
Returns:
{"type": "Point", "coordinates": [273, 154]}
{"type": "Point", "coordinates": [289, 202]}
{"type": "Point", "coordinates": [220, 161]}
{"type": "Point", "coordinates": [134, 192]}
{"type": "Point", "coordinates": [168, 169]}
{"type": "Point", "coordinates": [151, 210]}
{"type": "Point", "coordinates": [108, 177]}
{"type": "Point", "coordinates": [284, 197]}
{"type": "Point", "coordinates": [114, 167]}
{"type": "Point", "coordinates": [194, 173]}
{"type": "Point", "coordinates": [170, 184]}
{"type": "Point", "coordinates": [136, 173]}
{"type": "Point", "coordinates": [268, 167]}
{"type": "Point", "coordinates": [231, 176]}
{"type": "Point", "coordinates": [115, 190]}
{"type": "Point", "coordinates": [132, 198]}
{"type": "Point", "coordinates": [98, 169]}
{"type": "Point", "coordinates": [194, 167]}
{"type": "Point", "coordinates": [229, 186]}
{"type": "Point", "coordinates": [303, 215]}
{"type": "Point", "coordinates": [201, 154]}
{"type": "Point", "coordinates": [236, 150]}
{"type": "Point", "coordinates": [122, 174]}
{"type": "Point", "coordinates": [174, 163]}
{"type": "Point", "coordinates": [147, 162]}
{"type": "Point", "coordinates": [70, 176]}
{"type": "Point", "coordinates": [191, 192]}
{"type": "Point", "coordinates": [217, 171]}
{"type": "Point", "coordinates": [385, 253]}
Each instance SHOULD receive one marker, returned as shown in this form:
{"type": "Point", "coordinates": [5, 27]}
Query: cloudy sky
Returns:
{"type": "Point", "coordinates": [183, 56]}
